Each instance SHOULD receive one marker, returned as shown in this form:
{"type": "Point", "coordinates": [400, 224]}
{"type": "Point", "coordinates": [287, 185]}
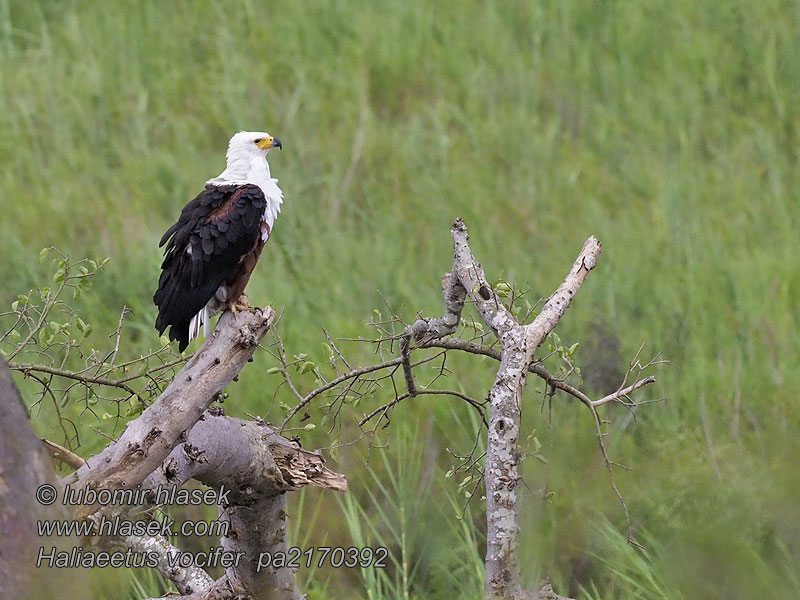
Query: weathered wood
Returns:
{"type": "Point", "coordinates": [148, 440]}
{"type": "Point", "coordinates": [518, 343]}
{"type": "Point", "coordinates": [258, 465]}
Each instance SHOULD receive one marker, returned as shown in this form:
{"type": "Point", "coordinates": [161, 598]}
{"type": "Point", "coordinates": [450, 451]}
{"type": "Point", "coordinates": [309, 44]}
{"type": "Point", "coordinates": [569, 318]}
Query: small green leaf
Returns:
{"type": "Point", "coordinates": [43, 254]}
{"type": "Point", "coordinates": [310, 427]}
{"type": "Point", "coordinates": [45, 337]}
{"type": "Point", "coordinates": [273, 370]}
{"type": "Point", "coordinates": [502, 289]}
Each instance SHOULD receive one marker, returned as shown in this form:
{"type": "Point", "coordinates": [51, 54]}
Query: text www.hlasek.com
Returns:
{"type": "Point", "coordinates": [117, 527]}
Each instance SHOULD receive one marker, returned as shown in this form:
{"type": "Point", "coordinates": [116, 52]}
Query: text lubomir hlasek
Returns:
{"type": "Point", "coordinates": [162, 495]}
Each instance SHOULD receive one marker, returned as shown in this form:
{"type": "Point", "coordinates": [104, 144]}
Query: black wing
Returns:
{"type": "Point", "coordinates": [212, 234]}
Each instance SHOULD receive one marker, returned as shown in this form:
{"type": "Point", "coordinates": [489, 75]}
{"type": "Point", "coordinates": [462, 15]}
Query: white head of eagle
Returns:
{"type": "Point", "coordinates": [213, 247]}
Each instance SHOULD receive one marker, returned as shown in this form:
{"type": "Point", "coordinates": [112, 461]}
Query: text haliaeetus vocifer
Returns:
{"type": "Point", "coordinates": [212, 249]}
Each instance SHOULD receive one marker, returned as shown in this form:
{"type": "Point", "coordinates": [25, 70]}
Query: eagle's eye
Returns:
{"type": "Point", "coordinates": [258, 140]}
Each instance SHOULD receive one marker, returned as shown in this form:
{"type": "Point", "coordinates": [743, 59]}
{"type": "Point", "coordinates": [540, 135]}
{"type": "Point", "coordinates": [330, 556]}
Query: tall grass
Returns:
{"type": "Point", "coordinates": [670, 130]}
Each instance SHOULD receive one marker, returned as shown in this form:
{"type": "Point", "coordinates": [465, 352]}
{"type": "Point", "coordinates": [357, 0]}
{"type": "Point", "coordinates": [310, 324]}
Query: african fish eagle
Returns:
{"type": "Point", "coordinates": [213, 247]}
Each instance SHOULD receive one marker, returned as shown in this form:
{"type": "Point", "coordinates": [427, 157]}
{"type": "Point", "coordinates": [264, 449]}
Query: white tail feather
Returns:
{"type": "Point", "coordinates": [201, 319]}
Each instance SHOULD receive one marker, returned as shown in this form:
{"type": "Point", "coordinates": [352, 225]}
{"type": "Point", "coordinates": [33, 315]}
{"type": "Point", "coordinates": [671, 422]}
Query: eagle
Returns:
{"type": "Point", "coordinates": [213, 247]}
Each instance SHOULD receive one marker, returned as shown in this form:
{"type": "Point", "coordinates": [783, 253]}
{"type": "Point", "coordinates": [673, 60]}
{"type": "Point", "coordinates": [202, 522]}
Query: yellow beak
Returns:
{"type": "Point", "coordinates": [269, 142]}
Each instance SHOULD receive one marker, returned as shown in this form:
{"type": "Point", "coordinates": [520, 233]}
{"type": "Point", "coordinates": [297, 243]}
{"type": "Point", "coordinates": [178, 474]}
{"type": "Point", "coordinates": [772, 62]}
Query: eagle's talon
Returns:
{"type": "Point", "coordinates": [242, 304]}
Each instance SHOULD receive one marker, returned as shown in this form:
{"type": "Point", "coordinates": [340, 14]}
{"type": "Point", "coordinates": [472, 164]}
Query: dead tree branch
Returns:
{"type": "Point", "coordinates": [148, 440]}
{"type": "Point", "coordinates": [505, 402]}
{"type": "Point", "coordinates": [258, 465]}
{"type": "Point", "coordinates": [248, 459]}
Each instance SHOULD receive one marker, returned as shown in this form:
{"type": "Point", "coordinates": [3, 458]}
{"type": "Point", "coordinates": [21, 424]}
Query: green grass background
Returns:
{"type": "Point", "coordinates": [668, 129]}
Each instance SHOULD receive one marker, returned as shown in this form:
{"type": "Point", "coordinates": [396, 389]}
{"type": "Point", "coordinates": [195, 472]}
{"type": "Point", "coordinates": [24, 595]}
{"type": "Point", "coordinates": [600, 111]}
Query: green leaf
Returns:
{"type": "Point", "coordinates": [135, 407]}
{"type": "Point", "coordinates": [273, 370]}
{"type": "Point", "coordinates": [310, 427]}
{"type": "Point", "coordinates": [43, 254]}
{"type": "Point", "coordinates": [45, 337]}
{"type": "Point", "coordinates": [502, 289]}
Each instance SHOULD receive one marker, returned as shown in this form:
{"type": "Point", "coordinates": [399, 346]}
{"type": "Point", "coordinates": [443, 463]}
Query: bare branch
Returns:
{"type": "Point", "coordinates": [406, 362]}
{"type": "Point", "coordinates": [558, 303]}
{"type": "Point", "coordinates": [148, 440]}
{"type": "Point", "coordinates": [476, 404]}
{"type": "Point", "coordinates": [27, 368]}
{"type": "Point", "coordinates": [188, 580]}
{"type": "Point", "coordinates": [619, 394]}
{"type": "Point", "coordinates": [66, 456]}
{"type": "Point", "coordinates": [347, 376]}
